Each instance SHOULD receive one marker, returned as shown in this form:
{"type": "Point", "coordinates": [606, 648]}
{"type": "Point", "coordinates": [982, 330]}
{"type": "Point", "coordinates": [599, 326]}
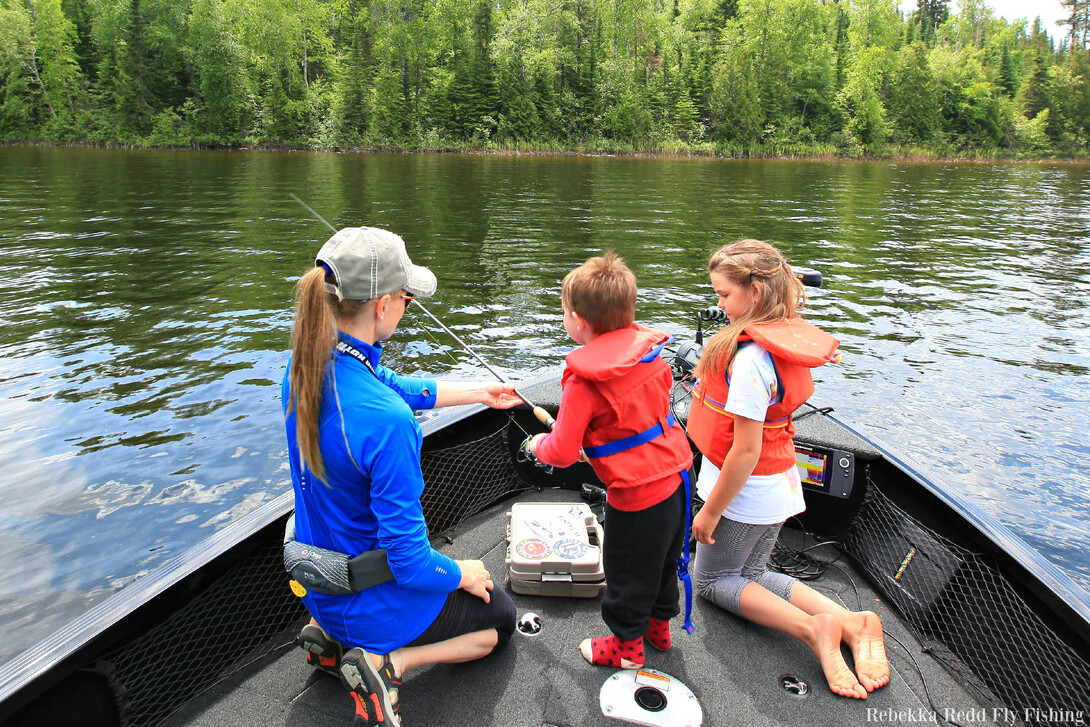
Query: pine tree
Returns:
{"type": "Point", "coordinates": [843, 46]}
{"type": "Point", "coordinates": [358, 40]}
{"type": "Point", "coordinates": [484, 99]}
{"type": "Point", "coordinates": [930, 14]}
{"type": "Point", "coordinates": [1007, 79]}
{"type": "Point", "coordinates": [913, 96]}
{"type": "Point", "coordinates": [1077, 21]}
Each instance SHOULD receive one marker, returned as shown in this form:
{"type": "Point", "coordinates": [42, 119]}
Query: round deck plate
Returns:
{"type": "Point", "coordinates": [677, 707]}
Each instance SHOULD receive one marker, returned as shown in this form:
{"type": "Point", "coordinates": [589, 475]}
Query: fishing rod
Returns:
{"type": "Point", "coordinates": [543, 416]}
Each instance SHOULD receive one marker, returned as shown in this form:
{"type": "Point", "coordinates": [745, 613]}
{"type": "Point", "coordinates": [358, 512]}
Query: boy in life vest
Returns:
{"type": "Point", "coordinates": [754, 373]}
{"type": "Point", "coordinates": [615, 405]}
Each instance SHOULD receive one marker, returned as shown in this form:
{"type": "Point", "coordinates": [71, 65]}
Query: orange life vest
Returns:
{"type": "Point", "coordinates": [626, 369]}
{"type": "Point", "coordinates": [796, 346]}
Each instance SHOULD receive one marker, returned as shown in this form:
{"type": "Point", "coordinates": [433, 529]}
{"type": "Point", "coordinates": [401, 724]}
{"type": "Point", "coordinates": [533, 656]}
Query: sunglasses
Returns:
{"type": "Point", "coordinates": [408, 298]}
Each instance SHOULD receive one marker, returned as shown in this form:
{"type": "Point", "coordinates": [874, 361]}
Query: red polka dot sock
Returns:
{"type": "Point", "coordinates": [659, 634]}
{"type": "Point", "coordinates": [611, 651]}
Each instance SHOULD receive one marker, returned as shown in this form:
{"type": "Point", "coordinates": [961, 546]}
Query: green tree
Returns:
{"type": "Point", "coordinates": [356, 42]}
{"type": "Point", "coordinates": [23, 103]}
{"type": "Point", "coordinates": [861, 97]}
{"type": "Point", "coordinates": [1079, 62]}
{"type": "Point", "coordinates": [518, 119]}
{"type": "Point", "coordinates": [930, 14]}
{"type": "Point", "coordinates": [224, 105]}
{"type": "Point", "coordinates": [1007, 79]}
{"type": "Point", "coordinates": [141, 60]}
{"type": "Point", "coordinates": [1036, 93]}
{"type": "Point", "coordinates": [874, 23]}
{"type": "Point", "coordinates": [735, 104]}
{"type": "Point", "coordinates": [913, 95]}
{"type": "Point", "coordinates": [53, 62]}
{"type": "Point", "coordinates": [968, 100]}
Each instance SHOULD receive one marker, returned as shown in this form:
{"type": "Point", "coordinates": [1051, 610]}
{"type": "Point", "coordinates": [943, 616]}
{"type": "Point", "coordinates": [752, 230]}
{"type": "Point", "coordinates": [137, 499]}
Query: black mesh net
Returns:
{"type": "Point", "coordinates": [464, 479]}
{"type": "Point", "coordinates": [250, 604]}
{"type": "Point", "coordinates": [197, 645]}
{"type": "Point", "coordinates": [973, 621]}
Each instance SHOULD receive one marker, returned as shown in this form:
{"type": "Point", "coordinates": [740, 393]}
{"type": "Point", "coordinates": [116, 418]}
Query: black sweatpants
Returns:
{"type": "Point", "coordinates": [639, 556]}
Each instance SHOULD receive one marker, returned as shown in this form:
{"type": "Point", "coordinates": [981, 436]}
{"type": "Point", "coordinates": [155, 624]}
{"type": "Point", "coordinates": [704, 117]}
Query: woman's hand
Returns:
{"type": "Point", "coordinates": [496, 394]}
{"type": "Point", "coordinates": [476, 579]}
{"type": "Point", "coordinates": [704, 525]}
{"type": "Point", "coordinates": [499, 395]}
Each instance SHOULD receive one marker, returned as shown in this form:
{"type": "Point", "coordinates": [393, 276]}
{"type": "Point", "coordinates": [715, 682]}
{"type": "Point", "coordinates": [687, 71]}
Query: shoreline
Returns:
{"type": "Point", "coordinates": [895, 154]}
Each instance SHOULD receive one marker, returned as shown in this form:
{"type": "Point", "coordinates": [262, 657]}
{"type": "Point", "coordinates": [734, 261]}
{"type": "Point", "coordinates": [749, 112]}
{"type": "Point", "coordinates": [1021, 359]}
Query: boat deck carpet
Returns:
{"type": "Point", "coordinates": [732, 666]}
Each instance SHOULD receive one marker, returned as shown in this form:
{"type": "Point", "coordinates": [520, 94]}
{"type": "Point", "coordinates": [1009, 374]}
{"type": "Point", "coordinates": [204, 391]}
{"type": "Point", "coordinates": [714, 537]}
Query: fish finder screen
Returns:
{"type": "Point", "coordinates": [811, 468]}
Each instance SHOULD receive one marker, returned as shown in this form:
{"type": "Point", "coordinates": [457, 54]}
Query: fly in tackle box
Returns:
{"type": "Point", "coordinates": [554, 549]}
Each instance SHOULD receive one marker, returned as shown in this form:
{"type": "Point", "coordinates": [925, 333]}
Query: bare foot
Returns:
{"type": "Point", "coordinates": [827, 647]}
{"type": "Point", "coordinates": [868, 647]}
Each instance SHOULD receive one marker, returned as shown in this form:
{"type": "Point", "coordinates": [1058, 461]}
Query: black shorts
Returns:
{"type": "Point", "coordinates": [464, 613]}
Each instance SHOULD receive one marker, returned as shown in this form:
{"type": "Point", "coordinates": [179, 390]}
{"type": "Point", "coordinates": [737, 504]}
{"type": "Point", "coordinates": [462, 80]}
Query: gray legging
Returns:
{"type": "Point", "coordinates": [739, 556]}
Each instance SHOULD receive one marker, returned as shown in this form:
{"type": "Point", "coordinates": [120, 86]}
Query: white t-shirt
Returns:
{"type": "Point", "coordinates": [764, 499]}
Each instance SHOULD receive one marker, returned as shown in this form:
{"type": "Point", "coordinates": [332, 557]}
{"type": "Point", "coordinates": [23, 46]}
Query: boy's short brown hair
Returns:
{"type": "Point", "coordinates": [602, 291]}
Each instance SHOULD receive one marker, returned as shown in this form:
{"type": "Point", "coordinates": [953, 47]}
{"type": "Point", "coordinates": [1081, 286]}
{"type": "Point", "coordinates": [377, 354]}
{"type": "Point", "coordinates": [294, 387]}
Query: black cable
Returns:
{"type": "Point", "coordinates": [794, 561]}
{"type": "Point", "coordinates": [813, 410]}
{"type": "Point", "coordinates": [923, 681]}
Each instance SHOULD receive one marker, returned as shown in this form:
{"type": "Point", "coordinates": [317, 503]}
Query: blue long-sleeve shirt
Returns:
{"type": "Point", "coordinates": [370, 443]}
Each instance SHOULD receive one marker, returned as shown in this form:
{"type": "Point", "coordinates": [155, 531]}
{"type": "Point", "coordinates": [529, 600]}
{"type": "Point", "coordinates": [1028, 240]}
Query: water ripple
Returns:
{"type": "Point", "coordinates": [141, 350]}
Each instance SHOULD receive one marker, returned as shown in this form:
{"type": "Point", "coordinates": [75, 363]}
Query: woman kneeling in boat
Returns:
{"type": "Point", "coordinates": [753, 375]}
{"type": "Point", "coordinates": [354, 450]}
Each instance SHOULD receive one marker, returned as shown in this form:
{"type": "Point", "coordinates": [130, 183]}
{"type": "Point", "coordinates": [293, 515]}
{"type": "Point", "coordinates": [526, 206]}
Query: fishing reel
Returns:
{"type": "Point", "coordinates": [525, 454]}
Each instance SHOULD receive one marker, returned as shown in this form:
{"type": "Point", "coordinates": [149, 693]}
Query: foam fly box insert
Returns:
{"type": "Point", "coordinates": [554, 549]}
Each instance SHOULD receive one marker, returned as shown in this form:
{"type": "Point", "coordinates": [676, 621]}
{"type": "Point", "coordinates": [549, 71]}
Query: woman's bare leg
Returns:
{"type": "Point", "coordinates": [467, 647]}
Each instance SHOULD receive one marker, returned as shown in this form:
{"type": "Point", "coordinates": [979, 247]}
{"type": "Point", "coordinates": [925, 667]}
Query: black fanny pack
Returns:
{"type": "Point", "coordinates": [327, 571]}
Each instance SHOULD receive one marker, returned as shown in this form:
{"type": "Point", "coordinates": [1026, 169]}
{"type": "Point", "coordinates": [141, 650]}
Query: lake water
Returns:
{"type": "Point", "coordinates": [145, 303]}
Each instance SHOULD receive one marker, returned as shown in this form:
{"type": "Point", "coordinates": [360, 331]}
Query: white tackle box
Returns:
{"type": "Point", "coordinates": [554, 549]}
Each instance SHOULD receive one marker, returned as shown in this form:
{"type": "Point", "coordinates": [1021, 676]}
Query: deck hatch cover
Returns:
{"type": "Point", "coordinates": [650, 697]}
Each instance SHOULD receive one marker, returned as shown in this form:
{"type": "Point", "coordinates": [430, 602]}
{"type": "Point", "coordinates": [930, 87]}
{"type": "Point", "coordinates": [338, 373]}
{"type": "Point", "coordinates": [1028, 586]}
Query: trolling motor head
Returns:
{"type": "Point", "coordinates": [688, 353]}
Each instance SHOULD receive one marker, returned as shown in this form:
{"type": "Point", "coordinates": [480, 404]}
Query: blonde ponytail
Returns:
{"type": "Point", "coordinates": [312, 342]}
{"type": "Point", "coordinates": [781, 294]}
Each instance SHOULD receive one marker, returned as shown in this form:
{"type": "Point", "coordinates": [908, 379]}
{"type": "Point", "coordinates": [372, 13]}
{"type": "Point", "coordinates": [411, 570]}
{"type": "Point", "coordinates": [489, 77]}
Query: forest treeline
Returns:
{"type": "Point", "coordinates": [763, 77]}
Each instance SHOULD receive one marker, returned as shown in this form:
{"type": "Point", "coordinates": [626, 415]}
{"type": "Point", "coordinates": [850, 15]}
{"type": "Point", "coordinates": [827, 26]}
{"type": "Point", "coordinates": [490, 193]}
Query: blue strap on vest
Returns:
{"type": "Point", "coordinates": [656, 351]}
{"type": "Point", "coordinates": [623, 445]}
{"type": "Point", "coordinates": [683, 559]}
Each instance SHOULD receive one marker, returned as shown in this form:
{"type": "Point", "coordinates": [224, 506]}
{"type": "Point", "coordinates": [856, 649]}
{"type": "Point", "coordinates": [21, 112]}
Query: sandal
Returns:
{"type": "Point", "coordinates": [371, 689]}
{"type": "Point", "coordinates": [323, 653]}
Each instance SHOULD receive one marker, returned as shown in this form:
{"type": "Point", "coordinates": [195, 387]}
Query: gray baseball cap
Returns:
{"type": "Point", "coordinates": [367, 262]}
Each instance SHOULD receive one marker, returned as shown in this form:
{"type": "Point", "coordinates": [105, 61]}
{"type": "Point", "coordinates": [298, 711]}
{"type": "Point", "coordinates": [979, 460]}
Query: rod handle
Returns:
{"type": "Point", "coordinates": [544, 417]}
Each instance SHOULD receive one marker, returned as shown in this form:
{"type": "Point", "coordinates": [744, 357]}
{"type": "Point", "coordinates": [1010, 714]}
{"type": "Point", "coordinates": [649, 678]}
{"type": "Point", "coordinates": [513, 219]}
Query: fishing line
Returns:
{"type": "Point", "coordinates": [543, 416]}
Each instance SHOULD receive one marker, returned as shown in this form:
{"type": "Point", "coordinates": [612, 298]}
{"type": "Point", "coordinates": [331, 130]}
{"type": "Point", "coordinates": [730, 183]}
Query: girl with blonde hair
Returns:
{"type": "Point", "coordinates": [753, 374]}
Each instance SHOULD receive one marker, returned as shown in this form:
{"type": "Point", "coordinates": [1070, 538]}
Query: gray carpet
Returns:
{"type": "Point", "coordinates": [733, 667]}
